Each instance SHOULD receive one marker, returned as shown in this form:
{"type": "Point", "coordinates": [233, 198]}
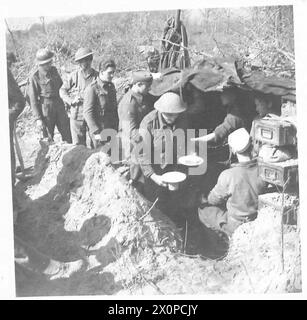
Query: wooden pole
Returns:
{"type": "Point", "coordinates": [177, 22]}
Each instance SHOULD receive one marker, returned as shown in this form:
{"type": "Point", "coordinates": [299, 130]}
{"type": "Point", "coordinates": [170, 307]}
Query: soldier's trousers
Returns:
{"type": "Point", "coordinates": [219, 219]}
{"type": "Point", "coordinates": [80, 134]}
{"type": "Point", "coordinates": [54, 114]}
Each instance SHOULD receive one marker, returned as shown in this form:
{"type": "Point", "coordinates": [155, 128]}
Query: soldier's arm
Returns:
{"type": "Point", "coordinates": [65, 89]}
{"type": "Point", "coordinates": [130, 124]}
{"type": "Point", "coordinates": [34, 98]}
{"type": "Point", "coordinates": [89, 105]}
{"type": "Point", "coordinates": [220, 193]}
{"type": "Point", "coordinates": [15, 96]}
{"type": "Point", "coordinates": [230, 124]}
{"type": "Point", "coordinates": [59, 79]}
{"type": "Point", "coordinates": [144, 153]}
{"type": "Point", "coordinates": [133, 123]}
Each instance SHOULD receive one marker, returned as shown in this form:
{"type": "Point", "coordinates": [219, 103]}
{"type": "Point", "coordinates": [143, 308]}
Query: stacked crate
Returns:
{"type": "Point", "coordinates": [284, 174]}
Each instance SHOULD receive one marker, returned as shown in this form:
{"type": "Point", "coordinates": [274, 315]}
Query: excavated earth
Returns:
{"type": "Point", "coordinates": [83, 230]}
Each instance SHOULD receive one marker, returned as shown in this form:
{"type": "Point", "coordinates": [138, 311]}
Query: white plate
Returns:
{"type": "Point", "coordinates": [174, 177]}
{"type": "Point", "coordinates": [191, 160]}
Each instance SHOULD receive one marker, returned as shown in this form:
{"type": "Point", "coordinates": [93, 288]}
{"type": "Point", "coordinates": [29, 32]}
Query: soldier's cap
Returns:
{"type": "Point", "coordinates": [83, 53]}
{"type": "Point", "coordinates": [170, 102]}
{"type": "Point", "coordinates": [141, 76]}
{"type": "Point", "coordinates": [239, 140]}
{"type": "Point", "coordinates": [10, 56]}
{"type": "Point", "coordinates": [44, 56]}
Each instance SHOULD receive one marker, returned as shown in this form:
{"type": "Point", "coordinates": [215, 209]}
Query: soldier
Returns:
{"type": "Point", "coordinates": [133, 107]}
{"type": "Point", "coordinates": [16, 105]}
{"type": "Point", "coordinates": [100, 104]}
{"type": "Point", "coordinates": [43, 91]}
{"type": "Point", "coordinates": [235, 118]}
{"type": "Point", "coordinates": [157, 130]}
{"type": "Point", "coordinates": [234, 199]}
{"type": "Point", "coordinates": [72, 92]}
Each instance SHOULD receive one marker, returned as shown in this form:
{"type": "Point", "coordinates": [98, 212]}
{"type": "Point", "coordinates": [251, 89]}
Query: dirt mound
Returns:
{"type": "Point", "coordinates": [79, 210]}
{"type": "Point", "coordinates": [82, 229]}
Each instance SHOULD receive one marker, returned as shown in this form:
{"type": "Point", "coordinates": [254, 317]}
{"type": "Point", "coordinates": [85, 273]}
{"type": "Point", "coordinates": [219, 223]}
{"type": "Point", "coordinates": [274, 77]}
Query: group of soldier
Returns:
{"type": "Point", "coordinates": [86, 104]}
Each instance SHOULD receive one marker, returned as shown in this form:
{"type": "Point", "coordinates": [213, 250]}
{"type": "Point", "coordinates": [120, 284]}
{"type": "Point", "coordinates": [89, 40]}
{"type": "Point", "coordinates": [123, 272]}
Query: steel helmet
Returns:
{"type": "Point", "coordinates": [44, 56]}
{"type": "Point", "coordinates": [170, 102]}
{"type": "Point", "coordinates": [83, 53]}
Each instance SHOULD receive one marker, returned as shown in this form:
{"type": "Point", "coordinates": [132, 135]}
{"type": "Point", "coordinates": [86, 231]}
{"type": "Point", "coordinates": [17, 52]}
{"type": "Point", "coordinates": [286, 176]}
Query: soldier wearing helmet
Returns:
{"type": "Point", "coordinates": [158, 131]}
{"type": "Point", "coordinates": [169, 115]}
{"type": "Point", "coordinates": [72, 92]}
{"type": "Point", "coordinates": [43, 92]}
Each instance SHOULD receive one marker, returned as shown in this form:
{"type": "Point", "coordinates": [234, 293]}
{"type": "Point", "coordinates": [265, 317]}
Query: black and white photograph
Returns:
{"type": "Point", "coordinates": [153, 152]}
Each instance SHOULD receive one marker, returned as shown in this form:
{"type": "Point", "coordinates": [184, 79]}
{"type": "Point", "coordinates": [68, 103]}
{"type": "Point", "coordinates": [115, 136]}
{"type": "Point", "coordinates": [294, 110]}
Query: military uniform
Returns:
{"type": "Point", "coordinates": [155, 133]}
{"type": "Point", "coordinates": [234, 199]}
{"type": "Point", "coordinates": [46, 103]}
{"type": "Point", "coordinates": [131, 110]}
{"type": "Point", "coordinates": [73, 87]}
{"type": "Point", "coordinates": [233, 121]}
{"type": "Point", "coordinates": [16, 104]}
{"type": "Point", "coordinates": [155, 127]}
{"type": "Point", "coordinates": [100, 106]}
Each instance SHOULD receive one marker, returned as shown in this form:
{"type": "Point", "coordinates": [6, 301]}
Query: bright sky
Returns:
{"type": "Point", "coordinates": [25, 23]}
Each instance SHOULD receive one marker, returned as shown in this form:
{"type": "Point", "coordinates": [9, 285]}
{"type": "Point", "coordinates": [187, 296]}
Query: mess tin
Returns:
{"type": "Point", "coordinates": [173, 179]}
{"type": "Point", "coordinates": [191, 160]}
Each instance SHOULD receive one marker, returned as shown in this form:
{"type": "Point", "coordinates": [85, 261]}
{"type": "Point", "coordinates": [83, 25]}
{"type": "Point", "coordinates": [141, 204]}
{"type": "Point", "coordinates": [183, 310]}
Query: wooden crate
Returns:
{"type": "Point", "coordinates": [275, 132]}
{"type": "Point", "coordinates": [278, 173]}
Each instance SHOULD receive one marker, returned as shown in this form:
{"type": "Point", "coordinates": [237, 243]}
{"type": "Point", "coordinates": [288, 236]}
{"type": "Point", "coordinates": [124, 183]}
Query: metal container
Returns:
{"type": "Point", "coordinates": [279, 173]}
{"type": "Point", "coordinates": [275, 132]}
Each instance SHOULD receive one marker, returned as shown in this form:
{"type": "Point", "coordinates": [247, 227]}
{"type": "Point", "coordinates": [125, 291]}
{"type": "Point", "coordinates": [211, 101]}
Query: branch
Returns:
{"type": "Point", "coordinates": [286, 54]}
{"type": "Point", "coordinates": [217, 45]}
{"type": "Point", "coordinates": [186, 48]}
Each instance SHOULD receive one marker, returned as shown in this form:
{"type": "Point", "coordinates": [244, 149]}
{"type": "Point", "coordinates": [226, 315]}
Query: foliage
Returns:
{"type": "Point", "coordinates": [262, 36]}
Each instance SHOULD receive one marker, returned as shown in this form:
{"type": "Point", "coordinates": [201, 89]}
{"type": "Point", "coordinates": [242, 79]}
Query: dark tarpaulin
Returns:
{"type": "Point", "coordinates": [228, 66]}
{"type": "Point", "coordinates": [258, 81]}
{"type": "Point", "coordinates": [170, 80]}
{"type": "Point", "coordinates": [205, 79]}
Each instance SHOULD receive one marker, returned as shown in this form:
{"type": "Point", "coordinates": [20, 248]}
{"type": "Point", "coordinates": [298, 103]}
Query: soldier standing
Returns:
{"type": "Point", "coordinates": [72, 92]}
{"type": "Point", "coordinates": [100, 104]}
{"type": "Point", "coordinates": [16, 105]}
{"type": "Point", "coordinates": [48, 107]}
{"type": "Point", "coordinates": [133, 107]}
